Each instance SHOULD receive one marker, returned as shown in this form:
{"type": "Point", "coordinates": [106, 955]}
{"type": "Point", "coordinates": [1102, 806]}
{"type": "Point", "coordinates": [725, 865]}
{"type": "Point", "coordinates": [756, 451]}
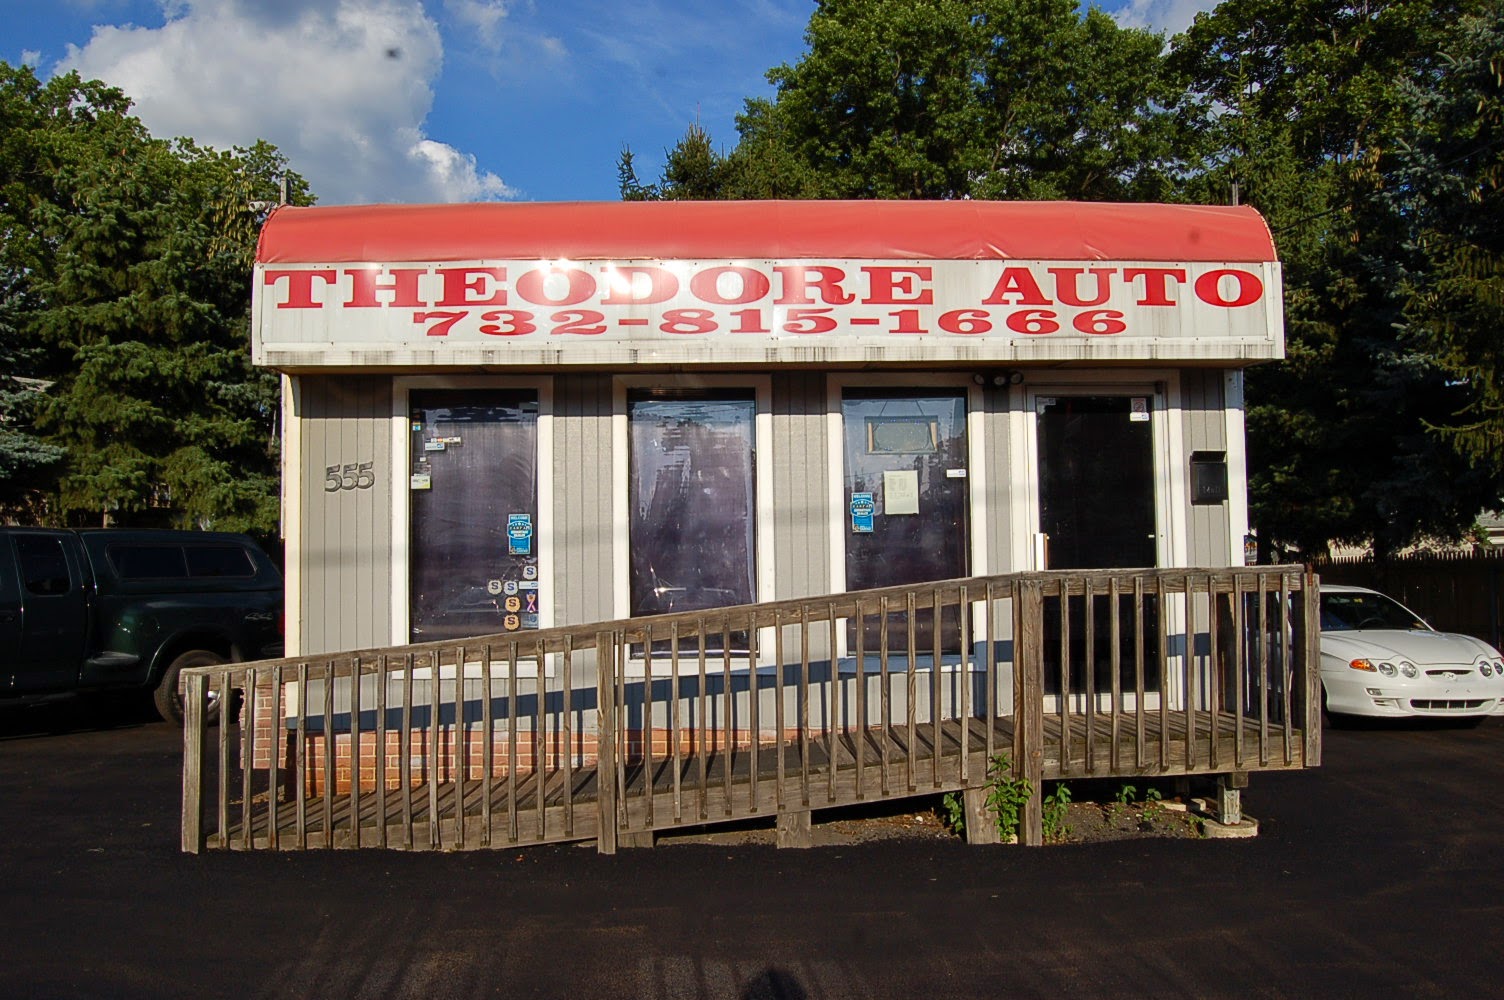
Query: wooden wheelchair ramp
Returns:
{"type": "Point", "coordinates": [612, 732]}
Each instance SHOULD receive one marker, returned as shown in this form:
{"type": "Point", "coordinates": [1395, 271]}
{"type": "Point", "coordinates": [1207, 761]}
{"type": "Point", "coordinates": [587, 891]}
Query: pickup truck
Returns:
{"type": "Point", "coordinates": [121, 609]}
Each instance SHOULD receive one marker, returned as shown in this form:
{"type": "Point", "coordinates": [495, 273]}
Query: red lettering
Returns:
{"type": "Point", "coordinates": [532, 286]}
{"type": "Point", "coordinates": [403, 286]}
{"type": "Point", "coordinates": [800, 279]}
{"type": "Point", "coordinates": [467, 286]}
{"type": "Point", "coordinates": [1156, 283]}
{"type": "Point", "coordinates": [1067, 285]}
{"type": "Point", "coordinates": [1017, 281]}
{"type": "Point", "coordinates": [299, 286]}
{"type": "Point", "coordinates": [1209, 288]}
{"type": "Point", "coordinates": [706, 285]}
{"type": "Point", "coordinates": [662, 285]}
{"type": "Point", "coordinates": [888, 286]}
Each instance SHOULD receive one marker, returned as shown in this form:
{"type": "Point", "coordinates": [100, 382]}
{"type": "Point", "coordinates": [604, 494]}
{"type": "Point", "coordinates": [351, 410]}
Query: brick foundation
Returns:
{"type": "Point", "coordinates": [582, 750]}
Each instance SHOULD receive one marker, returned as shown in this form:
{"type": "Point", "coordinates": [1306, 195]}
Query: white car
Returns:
{"type": "Point", "coordinates": [1380, 659]}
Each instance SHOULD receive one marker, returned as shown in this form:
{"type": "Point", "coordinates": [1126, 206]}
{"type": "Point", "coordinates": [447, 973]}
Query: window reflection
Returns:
{"type": "Point", "coordinates": [692, 500]}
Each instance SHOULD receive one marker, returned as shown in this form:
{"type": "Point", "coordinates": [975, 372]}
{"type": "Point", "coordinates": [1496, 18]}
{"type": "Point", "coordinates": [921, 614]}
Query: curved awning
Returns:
{"type": "Point", "coordinates": [784, 230]}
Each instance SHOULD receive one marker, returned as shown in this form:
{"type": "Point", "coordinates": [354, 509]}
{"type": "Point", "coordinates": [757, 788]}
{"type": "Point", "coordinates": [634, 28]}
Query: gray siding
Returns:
{"type": "Point", "coordinates": [345, 536]}
{"type": "Point", "coordinates": [997, 487]}
{"type": "Point", "coordinates": [1205, 429]}
{"type": "Point", "coordinates": [801, 491]}
{"type": "Point", "coordinates": [582, 499]}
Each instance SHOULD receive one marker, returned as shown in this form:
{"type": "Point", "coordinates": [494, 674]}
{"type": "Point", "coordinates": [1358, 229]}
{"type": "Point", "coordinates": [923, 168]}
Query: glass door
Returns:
{"type": "Point", "coordinates": [692, 525]}
{"type": "Point", "coordinates": [905, 490]}
{"type": "Point", "coordinates": [474, 513]}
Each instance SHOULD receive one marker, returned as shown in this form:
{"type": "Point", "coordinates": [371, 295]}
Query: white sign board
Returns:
{"type": "Point", "coordinates": [595, 312]}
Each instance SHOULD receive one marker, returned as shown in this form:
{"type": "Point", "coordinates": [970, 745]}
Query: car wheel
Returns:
{"type": "Point", "coordinates": [169, 702]}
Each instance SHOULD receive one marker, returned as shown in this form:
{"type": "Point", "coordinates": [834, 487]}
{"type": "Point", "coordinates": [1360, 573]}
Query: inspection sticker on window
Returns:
{"type": "Point", "coordinates": [862, 509]}
{"type": "Point", "coordinates": [1138, 409]}
{"type": "Point", "coordinates": [519, 534]}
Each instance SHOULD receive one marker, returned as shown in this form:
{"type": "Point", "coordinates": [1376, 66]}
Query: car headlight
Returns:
{"type": "Point", "coordinates": [1387, 669]}
{"type": "Point", "coordinates": [1408, 669]}
{"type": "Point", "coordinates": [1486, 669]}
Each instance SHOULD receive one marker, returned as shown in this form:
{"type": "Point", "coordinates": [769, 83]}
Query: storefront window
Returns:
{"type": "Point", "coordinates": [474, 489]}
{"type": "Point", "coordinates": [692, 500]}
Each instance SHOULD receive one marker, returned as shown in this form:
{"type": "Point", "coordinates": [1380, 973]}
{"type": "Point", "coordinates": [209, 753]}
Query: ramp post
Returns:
{"type": "Point", "coordinates": [795, 829]}
{"type": "Point", "coordinates": [605, 729]}
{"type": "Point", "coordinates": [1310, 664]}
{"type": "Point", "coordinates": [981, 825]}
{"type": "Point", "coordinates": [1028, 703]}
{"type": "Point", "coordinates": [194, 688]}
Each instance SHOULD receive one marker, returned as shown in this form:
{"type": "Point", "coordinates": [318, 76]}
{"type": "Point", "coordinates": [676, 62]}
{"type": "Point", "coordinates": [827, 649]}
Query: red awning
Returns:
{"type": "Point", "coordinates": [755, 230]}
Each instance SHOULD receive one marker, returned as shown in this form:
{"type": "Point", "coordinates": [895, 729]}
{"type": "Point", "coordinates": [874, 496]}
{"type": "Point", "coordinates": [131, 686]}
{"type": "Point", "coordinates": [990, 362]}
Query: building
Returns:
{"type": "Point", "coordinates": [505, 417]}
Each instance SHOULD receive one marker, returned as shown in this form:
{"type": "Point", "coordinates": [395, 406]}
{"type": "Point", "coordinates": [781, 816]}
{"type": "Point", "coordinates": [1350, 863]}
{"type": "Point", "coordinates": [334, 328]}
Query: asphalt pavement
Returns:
{"type": "Point", "coordinates": [1379, 874]}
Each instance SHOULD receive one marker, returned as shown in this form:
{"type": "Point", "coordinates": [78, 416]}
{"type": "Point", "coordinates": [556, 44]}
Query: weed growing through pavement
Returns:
{"type": "Point", "coordinates": [1056, 806]}
{"type": "Point", "coordinates": [1154, 806]}
{"type": "Point", "coordinates": [953, 813]}
{"type": "Point", "coordinates": [1006, 798]}
{"type": "Point", "coordinates": [1006, 795]}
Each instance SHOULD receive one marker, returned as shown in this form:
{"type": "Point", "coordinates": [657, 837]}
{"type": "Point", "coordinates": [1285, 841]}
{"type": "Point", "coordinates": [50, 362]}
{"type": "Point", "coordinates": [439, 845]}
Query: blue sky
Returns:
{"type": "Point", "coordinates": [439, 100]}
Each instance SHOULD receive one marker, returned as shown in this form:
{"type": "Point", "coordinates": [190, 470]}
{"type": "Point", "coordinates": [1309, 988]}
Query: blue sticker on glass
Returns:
{"type": "Point", "coordinates": [520, 534]}
{"type": "Point", "coordinates": [862, 509]}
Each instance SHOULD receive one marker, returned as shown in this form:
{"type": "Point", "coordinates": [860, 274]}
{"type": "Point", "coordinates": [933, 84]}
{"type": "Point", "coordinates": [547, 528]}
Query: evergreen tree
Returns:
{"type": "Point", "coordinates": [1449, 180]}
{"type": "Point", "coordinates": [24, 457]}
{"type": "Point", "coordinates": [130, 255]}
{"type": "Point", "coordinates": [1302, 105]}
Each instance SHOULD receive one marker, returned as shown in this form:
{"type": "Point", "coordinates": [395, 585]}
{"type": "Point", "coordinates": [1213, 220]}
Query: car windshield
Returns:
{"type": "Point", "coordinates": [1344, 611]}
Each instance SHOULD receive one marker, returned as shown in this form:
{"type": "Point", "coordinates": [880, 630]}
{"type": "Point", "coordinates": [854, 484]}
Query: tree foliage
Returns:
{"type": "Point", "coordinates": [946, 99]}
{"type": "Point", "coordinates": [1367, 132]}
{"type": "Point", "coordinates": [1304, 106]}
{"type": "Point", "coordinates": [126, 259]}
{"type": "Point", "coordinates": [1449, 180]}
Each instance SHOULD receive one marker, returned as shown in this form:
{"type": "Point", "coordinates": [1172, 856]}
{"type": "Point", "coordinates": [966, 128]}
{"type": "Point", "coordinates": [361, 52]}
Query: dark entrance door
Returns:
{"type": "Point", "coordinates": [474, 513]}
{"type": "Point", "coordinates": [1096, 482]}
{"type": "Point", "coordinates": [1096, 511]}
{"type": "Point", "coordinates": [905, 489]}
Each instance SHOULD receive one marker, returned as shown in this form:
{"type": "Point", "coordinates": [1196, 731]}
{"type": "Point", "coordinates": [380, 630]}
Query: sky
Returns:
{"type": "Point", "coordinates": [440, 100]}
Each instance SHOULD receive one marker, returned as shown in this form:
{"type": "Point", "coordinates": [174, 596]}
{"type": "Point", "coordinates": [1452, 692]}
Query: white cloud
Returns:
{"type": "Point", "coordinates": [342, 87]}
{"type": "Point", "coordinates": [1172, 16]}
{"type": "Point", "coordinates": [30, 57]}
{"type": "Point", "coordinates": [484, 17]}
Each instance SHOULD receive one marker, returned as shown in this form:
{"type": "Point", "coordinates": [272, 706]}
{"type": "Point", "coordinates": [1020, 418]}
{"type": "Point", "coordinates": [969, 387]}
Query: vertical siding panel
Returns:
{"type": "Point", "coordinates": [1204, 430]}
{"type": "Point", "coordinates": [998, 485]}
{"type": "Point", "coordinates": [801, 518]}
{"type": "Point", "coordinates": [345, 551]}
{"type": "Point", "coordinates": [582, 498]}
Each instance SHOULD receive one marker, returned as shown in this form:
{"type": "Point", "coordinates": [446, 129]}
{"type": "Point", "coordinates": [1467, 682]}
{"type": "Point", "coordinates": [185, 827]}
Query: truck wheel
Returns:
{"type": "Point", "coordinates": [170, 702]}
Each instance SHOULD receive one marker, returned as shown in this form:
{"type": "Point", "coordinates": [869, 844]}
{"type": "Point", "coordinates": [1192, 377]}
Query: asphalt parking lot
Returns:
{"type": "Point", "coordinates": [1381, 874]}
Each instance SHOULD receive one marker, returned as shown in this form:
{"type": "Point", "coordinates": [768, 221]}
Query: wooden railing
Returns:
{"type": "Point", "coordinates": [611, 731]}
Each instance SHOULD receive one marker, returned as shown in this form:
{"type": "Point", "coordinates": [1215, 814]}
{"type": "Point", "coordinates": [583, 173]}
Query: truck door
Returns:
{"type": "Point", "coordinates": [53, 611]}
{"type": "Point", "coordinates": [10, 615]}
